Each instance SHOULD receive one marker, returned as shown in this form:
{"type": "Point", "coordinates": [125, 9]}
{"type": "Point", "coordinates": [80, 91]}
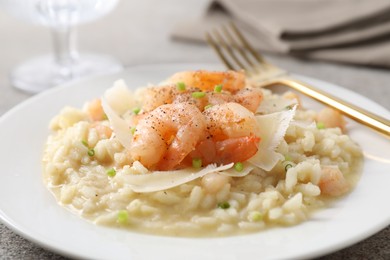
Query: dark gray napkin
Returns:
{"type": "Point", "coordinates": [348, 31]}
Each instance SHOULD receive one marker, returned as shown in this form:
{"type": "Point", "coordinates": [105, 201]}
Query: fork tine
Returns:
{"type": "Point", "coordinates": [247, 45]}
{"type": "Point", "coordinates": [252, 63]}
{"type": "Point", "coordinates": [225, 50]}
{"type": "Point", "coordinates": [217, 49]}
{"type": "Point", "coordinates": [226, 47]}
{"type": "Point", "coordinates": [229, 50]}
{"type": "Point", "coordinates": [233, 42]}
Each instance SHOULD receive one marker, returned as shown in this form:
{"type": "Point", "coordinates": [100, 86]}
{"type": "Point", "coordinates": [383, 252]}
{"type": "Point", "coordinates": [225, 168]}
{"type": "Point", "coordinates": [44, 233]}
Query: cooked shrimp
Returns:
{"type": "Point", "coordinates": [95, 110]}
{"type": "Point", "coordinates": [249, 98]}
{"type": "Point", "coordinates": [186, 97]}
{"type": "Point", "coordinates": [157, 96]}
{"type": "Point", "coordinates": [168, 94]}
{"type": "Point", "coordinates": [103, 131]}
{"type": "Point", "coordinates": [331, 118]}
{"type": "Point", "coordinates": [230, 120]}
{"type": "Point", "coordinates": [167, 135]}
{"type": "Point", "coordinates": [231, 135]}
{"type": "Point", "coordinates": [237, 149]}
{"type": "Point", "coordinates": [333, 182]}
{"type": "Point", "coordinates": [206, 80]}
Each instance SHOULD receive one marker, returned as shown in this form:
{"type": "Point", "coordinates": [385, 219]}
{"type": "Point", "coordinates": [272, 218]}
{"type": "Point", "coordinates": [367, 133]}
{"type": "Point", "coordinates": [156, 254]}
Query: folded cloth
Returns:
{"type": "Point", "coordinates": [348, 31]}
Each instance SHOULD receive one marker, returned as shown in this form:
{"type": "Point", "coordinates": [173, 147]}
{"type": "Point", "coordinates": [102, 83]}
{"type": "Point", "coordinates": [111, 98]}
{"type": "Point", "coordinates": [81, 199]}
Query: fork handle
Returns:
{"type": "Point", "coordinates": [352, 111]}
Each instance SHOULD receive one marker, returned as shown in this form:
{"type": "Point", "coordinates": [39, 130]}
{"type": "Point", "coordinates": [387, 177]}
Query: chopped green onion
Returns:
{"type": "Point", "coordinates": [223, 205]}
{"type": "Point", "coordinates": [123, 217]}
{"type": "Point", "coordinates": [91, 152]}
{"type": "Point", "coordinates": [136, 110]}
{"type": "Point", "coordinates": [196, 163]}
{"type": "Point", "coordinates": [208, 106]}
{"type": "Point", "coordinates": [198, 94]}
{"type": "Point", "coordinates": [288, 166]}
{"type": "Point", "coordinates": [287, 157]}
{"type": "Point", "coordinates": [320, 125]}
{"type": "Point", "coordinates": [288, 107]}
{"type": "Point", "coordinates": [84, 142]}
{"type": "Point", "coordinates": [181, 86]}
{"type": "Point", "coordinates": [132, 130]}
{"type": "Point", "coordinates": [238, 166]}
{"type": "Point", "coordinates": [255, 216]}
{"type": "Point", "coordinates": [288, 163]}
{"type": "Point", "coordinates": [111, 172]}
{"type": "Point", "coordinates": [105, 117]}
{"type": "Point", "coordinates": [218, 88]}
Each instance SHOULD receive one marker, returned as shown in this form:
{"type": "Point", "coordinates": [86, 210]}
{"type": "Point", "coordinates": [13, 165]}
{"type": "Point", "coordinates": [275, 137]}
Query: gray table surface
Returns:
{"type": "Point", "coordinates": [137, 32]}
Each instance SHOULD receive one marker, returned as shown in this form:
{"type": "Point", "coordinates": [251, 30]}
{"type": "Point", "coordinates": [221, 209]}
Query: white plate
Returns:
{"type": "Point", "coordinates": [29, 209]}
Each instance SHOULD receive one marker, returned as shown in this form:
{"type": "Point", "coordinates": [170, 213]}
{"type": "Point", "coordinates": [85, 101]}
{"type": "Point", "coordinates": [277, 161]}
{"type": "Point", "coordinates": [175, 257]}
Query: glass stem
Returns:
{"type": "Point", "coordinates": [65, 51]}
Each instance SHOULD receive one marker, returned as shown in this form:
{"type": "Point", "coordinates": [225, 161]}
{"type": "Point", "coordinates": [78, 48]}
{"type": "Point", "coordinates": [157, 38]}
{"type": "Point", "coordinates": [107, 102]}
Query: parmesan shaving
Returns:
{"type": "Point", "coordinates": [120, 127]}
{"type": "Point", "coordinates": [120, 97]}
{"type": "Point", "coordinates": [304, 124]}
{"type": "Point", "coordinates": [272, 129]}
{"type": "Point", "coordinates": [115, 102]}
{"type": "Point", "coordinates": [162, 180]}
{"type": "Point", "coordinates": [277, 104]}
{"type": "Point", "coordinates": [234, 173]}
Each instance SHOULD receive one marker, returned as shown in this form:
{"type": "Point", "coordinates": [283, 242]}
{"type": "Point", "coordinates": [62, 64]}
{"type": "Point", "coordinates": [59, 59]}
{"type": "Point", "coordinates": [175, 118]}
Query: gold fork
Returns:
{"type": "Point", "coordinates": [229, 42]}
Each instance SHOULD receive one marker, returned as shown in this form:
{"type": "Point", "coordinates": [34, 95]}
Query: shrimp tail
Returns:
{"type": "Point", "coordinates": [237, 149]}
{"type": "Point", "coordinates": [184, 142]}
{"type": "Point", "coordinates": [230, 150]}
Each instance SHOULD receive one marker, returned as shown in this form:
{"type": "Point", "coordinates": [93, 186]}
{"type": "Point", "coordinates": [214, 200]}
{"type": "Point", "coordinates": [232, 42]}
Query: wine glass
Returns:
{"type": "Point", "coordinates": [65, 63]}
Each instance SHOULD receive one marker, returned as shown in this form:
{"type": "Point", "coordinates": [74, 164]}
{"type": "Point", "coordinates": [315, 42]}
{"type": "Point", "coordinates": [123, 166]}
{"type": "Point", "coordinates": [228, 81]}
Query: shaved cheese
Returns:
{"type": "Point", "coordinates": [117, 100]}
{"type": "Point", "coordinates": [272, 129]}
{"type": "Point", "coordinates": [120, 97]}
{"type": "Point", "coordinates": [247, 168]}
{"type": "Point", "coordinates": [275, 104]}
{"type": "Point", "coordinates": [162, 180]}
{"type": "Point", "coordinates": [120, 127]}
{"type": "Point", "coordinates": [304, 124]}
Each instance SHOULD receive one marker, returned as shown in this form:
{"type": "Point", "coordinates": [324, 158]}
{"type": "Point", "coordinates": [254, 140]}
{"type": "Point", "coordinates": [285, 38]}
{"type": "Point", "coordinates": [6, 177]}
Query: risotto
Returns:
{"type": "Point", "coordinates": [200, 154]}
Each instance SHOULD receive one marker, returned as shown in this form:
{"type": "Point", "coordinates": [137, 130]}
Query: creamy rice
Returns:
{"type": "Point", "coordinates": [286, 195]}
